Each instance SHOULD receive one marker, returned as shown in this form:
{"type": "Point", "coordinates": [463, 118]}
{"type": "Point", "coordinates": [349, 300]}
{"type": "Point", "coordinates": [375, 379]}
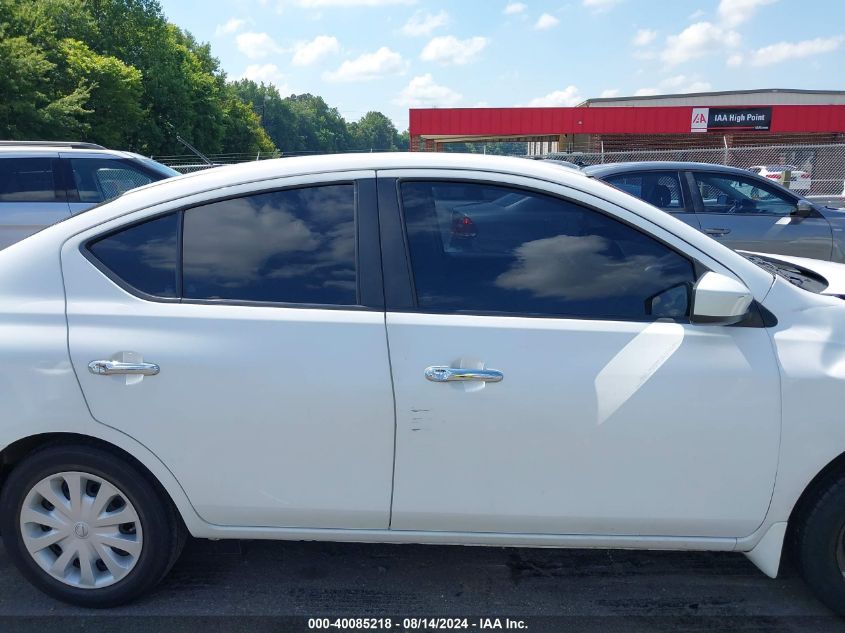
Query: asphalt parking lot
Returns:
{"type": "Point", "coordinates": [249, 585]}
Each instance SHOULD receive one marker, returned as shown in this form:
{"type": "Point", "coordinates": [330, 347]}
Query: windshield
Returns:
{"type": "Point", "coordinates": [163, 170]}
{"type": "Point", "coordinates": [794, 274]}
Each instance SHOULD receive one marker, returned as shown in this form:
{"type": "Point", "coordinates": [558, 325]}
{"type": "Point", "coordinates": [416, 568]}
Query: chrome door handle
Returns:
{"type": "Point", "coordinates": [717, 232]}
{"type": "Point", "coordinates": [437, 373]}
{"type": "Point", "coordinates": [116, 367]}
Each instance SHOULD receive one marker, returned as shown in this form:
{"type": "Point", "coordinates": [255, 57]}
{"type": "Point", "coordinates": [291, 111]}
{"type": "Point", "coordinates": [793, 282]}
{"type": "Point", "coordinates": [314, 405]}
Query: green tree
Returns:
{"type": "Point", "coordinates": [114, 90]}
{"type": "Point", "coordinates": [374, 131]}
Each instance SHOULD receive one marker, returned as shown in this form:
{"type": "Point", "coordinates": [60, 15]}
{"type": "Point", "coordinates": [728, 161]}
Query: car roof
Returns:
{"type": "Point", "coordinates": [41, 149]}
{"type": "Point", "coordinates": [612, 169]}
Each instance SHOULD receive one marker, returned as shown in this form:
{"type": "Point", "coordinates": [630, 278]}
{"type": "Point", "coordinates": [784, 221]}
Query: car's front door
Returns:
{"type": "Point", "coordinates": [95, 178]}
{"type": "Point", "coordinates": [548, 380]}
{"type": "Point", "coordinates": [258, 320]}
{"type": "Point", "coordinates": [747, 213]}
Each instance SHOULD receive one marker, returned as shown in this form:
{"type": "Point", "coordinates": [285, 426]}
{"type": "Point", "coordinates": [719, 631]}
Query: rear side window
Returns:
{"type": "Point", "coordinates": [29, 180]}
{"type": "Point", "coordinates": [101, 179]}
{"type": "Point", "coordinates": [500, 250]}
{"type": "Point", "coordinates": [289, 246]}
{"type": "Point", "coordinates": [662, 189]}
{"type": "Point", "coordinates": [143, 256]}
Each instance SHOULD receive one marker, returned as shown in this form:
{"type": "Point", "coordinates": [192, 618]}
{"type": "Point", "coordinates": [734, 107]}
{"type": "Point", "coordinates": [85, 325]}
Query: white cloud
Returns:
{"type": "Point", "coordinates": [609, 93]}
{"type": "Point", "coordinates": [514, 7]}
{"type": "Point", "coordinates": [230, 26]}
{"type": "Point", "coordinates": [644, 37]}
{"type": "Point", "coordinates": [266, 73]}
{"type": "Point", "coordinates": [783, 51]}
{"type": "Point", "coordinates": [256, 45]}
{"type": "Point", "coordinates": [696, 14]}
{"type": "Point", "coordinates": [423, 24]}
{"type": "Point", "coordinates": [569, 96]}
{"type": "Point", "coordinates": [424, 92]}
{"type": "Point", "coordinates": [448, 49]}
{"type": "Point", "coordinates": [369, 66]}
{"type": "Point", "coordinates": [677, 84]}
{"type": "Point", "coordinates": [308, 53]}
{"type": "Point", "coordinates": [734, 12]}
{"type": "Point", "coordinates": [698, 40]}
{"type": "Point", "coordinates": [599, 5]}
{"type": "Point", "coordinates": [735, 60]}
{"type": "Point", "coordinates": [546, 21]}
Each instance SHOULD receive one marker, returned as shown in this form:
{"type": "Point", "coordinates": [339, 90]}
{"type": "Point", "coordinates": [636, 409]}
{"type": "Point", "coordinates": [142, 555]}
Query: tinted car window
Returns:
{"type": "Point", "coordinates": [519, 252]}
{"type": "Point", "coordinates": [144, 256]}
{"type": "Point", "coordinates": [292, 246]}
{"type": "Point", "coordinates": [737, 195]}
{"type": "Point", "coordinates": [101, 179]}
{"type": "Point", "coordinates": [662, 189]}
{"type": "Point", "coordinates": [28, 180]}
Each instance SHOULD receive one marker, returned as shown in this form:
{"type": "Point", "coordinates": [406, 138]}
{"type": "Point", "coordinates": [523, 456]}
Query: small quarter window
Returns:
{"type": "Point", "coordinates": [143, 256]}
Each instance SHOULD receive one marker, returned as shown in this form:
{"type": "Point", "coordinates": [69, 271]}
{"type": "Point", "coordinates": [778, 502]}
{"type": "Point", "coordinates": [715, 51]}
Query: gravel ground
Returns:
{"type": "Point", "coordinates": [258, 585]}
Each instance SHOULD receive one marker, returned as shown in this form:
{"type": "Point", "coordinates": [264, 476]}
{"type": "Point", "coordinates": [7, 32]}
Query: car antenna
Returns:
{"type": "Point", "coordinates": [202, 156]}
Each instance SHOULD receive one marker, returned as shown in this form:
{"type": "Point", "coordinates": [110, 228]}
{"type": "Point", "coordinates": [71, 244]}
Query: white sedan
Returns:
{"type": "Point", "coordinates": [387, 348]}
{"type": "Point", "coordinates": [787, 175]}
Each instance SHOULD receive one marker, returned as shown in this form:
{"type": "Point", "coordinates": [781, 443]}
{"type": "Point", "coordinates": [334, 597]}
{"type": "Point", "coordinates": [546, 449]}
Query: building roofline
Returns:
{"type": "Point", "coordinates": [587, 102]}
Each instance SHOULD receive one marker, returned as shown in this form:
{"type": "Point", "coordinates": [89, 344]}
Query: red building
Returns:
{"type": "Point", "coordinates": [714, 119]}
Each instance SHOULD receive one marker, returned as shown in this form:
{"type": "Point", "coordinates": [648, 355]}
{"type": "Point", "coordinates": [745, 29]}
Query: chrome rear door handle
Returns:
{"type": "Point", "coordinates": [717, 232]}
{"type": "Point", "coordinates": [438, 373]}
{"type": "Point", "coordinates": [116, 367]}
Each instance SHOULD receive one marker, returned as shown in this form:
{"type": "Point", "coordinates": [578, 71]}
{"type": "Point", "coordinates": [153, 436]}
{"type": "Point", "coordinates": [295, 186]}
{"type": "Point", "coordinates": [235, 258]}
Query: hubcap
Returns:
{"type": "Point", "coordinates": [81, 529]}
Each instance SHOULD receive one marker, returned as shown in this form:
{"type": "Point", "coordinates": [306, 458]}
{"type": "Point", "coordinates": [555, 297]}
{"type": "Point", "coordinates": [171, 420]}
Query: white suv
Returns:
{"type": "Point", "coordinates": [42, 182]}
{"type": "Point", "coordinates": [409, 348]}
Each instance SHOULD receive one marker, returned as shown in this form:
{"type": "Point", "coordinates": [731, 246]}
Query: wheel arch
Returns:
{"type": "Point", "coordinates": [156, 472]}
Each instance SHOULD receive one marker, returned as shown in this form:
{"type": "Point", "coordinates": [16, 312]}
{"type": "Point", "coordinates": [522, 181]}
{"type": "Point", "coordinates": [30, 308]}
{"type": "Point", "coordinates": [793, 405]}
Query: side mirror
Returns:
{"type": "Point", "coordinates": [804, 209]}
{"type": "Point", "coordinates": [719, 300]}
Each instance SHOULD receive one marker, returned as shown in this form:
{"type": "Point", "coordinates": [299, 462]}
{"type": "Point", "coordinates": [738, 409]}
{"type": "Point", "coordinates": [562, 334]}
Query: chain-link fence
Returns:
{"type": "Point", "coordinates": [187, 163]}
{"type": "Point", "coordinates": [809, 169]}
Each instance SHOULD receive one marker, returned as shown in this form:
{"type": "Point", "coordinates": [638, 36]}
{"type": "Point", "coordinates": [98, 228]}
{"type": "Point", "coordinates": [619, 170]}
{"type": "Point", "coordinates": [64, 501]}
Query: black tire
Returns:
{"type": "Point", "coordinates": [163, 532]}
{"type": "Point", "coordinates": [819, 545]}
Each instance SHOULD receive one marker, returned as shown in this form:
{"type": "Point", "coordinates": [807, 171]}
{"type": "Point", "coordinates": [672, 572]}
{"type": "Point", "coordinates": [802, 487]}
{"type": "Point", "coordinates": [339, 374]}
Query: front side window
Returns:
{"type": "Point", "coordinates": [738, 195]}
{"type": "Point", "coordinates": [484, 248]}
{"type": "Point", "coordinates": [662, 189]}
{"type": "Point", "coordinates": [143, 256]}
{"type": "Point", "coordinates": [101, 179]}
{"type": "Point", "coordinates": [28, 180]}
{"type": "Point", "coordinates": [291, 246]}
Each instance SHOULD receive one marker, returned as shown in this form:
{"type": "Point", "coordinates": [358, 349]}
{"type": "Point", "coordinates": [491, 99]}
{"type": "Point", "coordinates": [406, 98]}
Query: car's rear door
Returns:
{"type": "Point", "coordinates": [747, 213]}
{"type": "Point", "coordinates": [547, 378]}
{"type": "Point", "coordinates": [267, 390]}
{"type": "Point", "coordinates": [664, 188]}
{"type": "Point", "coordinates": [32, 193]}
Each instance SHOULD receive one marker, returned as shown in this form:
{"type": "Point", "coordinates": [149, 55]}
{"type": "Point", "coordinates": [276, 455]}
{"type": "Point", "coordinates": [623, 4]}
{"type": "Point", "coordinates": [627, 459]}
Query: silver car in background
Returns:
{"type": "Point", "coordinates": [42, 182]}
{"type": "Point", "coordinates": [735, 206]}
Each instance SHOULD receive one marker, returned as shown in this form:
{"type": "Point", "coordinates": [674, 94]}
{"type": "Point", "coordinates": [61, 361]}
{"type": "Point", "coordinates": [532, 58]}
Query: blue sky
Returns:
{"type": "Point", "coordinates": [389, 55]}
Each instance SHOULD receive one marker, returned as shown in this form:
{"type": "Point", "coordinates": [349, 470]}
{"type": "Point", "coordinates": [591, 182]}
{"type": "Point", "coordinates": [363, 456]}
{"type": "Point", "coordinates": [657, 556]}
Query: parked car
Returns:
{"type": "Point", "coordinates": [292, 349]}
{"type": "Point", "coordinates": [740, 209]}
{"type": "Point", "coordinates": [43, 182]}
{"type": "Point", "coordinates": [787, 175]}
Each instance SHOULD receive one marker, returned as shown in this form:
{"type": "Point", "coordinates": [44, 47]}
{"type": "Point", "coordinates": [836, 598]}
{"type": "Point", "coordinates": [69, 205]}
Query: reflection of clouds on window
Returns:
{"type": "Point", "coordinates": [295, 245]}
{"type": "Point", "coordinates": [577, 268]}
{"type": "Point", "coordinates": [540, 255]}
